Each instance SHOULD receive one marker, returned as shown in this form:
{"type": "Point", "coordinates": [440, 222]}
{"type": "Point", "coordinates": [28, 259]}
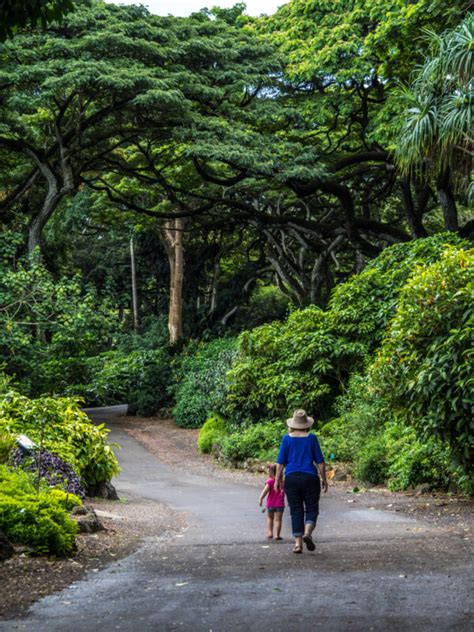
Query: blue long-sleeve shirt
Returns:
{"type": "Point", "coordinates": [299, 454]}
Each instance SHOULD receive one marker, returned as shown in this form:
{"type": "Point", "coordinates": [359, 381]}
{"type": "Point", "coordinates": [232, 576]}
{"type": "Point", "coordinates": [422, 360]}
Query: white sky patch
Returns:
{"type": "Point", "coordinates": [185, 7]}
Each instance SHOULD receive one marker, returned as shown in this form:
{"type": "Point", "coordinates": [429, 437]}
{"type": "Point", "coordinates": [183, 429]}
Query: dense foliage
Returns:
{"type": "Point", "coordinates": [37, 520]}
{"type": "Point", "coordinates": [424, 367]}
{"type": "Point", "coordinates": [63, 430]}
{"type": "Point", "coordinates": [52, 468]}
{"type": "Point", "coordinates": [307, 359]}
{"type": "Point", "coordinates": [201, 381]}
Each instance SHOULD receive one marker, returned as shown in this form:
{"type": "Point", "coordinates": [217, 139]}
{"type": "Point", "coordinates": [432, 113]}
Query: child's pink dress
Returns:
{"type": "Point", "coordinates": [275, 498]}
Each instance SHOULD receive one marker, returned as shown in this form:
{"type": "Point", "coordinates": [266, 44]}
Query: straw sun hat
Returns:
{"type": "Point", "coordinates": [300, 421]}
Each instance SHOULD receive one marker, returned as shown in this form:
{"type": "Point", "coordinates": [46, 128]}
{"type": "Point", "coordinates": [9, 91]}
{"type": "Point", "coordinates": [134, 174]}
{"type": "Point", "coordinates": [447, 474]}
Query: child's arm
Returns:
{"type": "Point", "coordinates": [265, 491]}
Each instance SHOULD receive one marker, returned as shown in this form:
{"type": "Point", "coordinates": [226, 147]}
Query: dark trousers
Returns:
{"type": "Point", "coordinates": [302, 491]}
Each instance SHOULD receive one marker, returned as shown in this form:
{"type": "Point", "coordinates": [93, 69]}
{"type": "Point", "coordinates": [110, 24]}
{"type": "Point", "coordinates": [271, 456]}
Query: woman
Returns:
{"type": "Point", "coordinates": [299, 451]}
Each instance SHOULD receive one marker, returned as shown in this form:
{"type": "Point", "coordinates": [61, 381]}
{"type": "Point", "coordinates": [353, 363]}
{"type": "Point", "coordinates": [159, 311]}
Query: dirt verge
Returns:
{"type": "Point", "coordinates": [25, 579]}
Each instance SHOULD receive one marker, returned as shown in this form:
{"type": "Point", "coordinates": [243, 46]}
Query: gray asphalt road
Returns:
{"type": "Point", "coordinates": [372, 570]}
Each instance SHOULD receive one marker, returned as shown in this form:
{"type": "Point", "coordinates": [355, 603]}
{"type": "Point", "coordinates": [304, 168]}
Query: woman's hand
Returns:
{"type": "Point", "coordinates": [278, 477]}
{"type": "Point", "coordinates": [323, 475]}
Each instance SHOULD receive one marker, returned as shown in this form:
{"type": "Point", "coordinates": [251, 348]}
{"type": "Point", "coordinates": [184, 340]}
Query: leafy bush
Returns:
{"type": "Point", "coordinates": [266, 304]}
{"type": "Point", "coordinates": [361, 413]}
{"type": "Point", "coordinates": [7, 445]}
{"type": "Point", "coordinates": [39, 520]}
{"type": "Point", "coordinates": [46, 318]}
{"type": "Point", "coordinates": [54, 470]}
{"type": "Point", "coordinates": [139, 378]}
{"type": "Point", "coordinates": [413, 460]}
{"type": "Point", "coordinates": [301, 363]}
{"type": "Point", "coordinates": [258, 441]}
{"type": "Point", "coordinates": [153, 335]}
{"type": "Point", "coordinates": [201, 381]}
{"type": "Point", "coordinates": [307, 360]}
{"type": "Point", "coordinates": [214, 429]}
{"type": "Point", "coordinates": [67, 432]}
{"type": "Point", "coordinates": [424, 368]}
{"type": "Point", "coordinates": [361, 308]}
{"type": "Point", "coordinates": [372, 461]}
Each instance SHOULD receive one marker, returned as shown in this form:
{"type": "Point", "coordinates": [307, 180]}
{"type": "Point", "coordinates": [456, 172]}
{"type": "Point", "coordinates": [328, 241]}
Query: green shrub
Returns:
{"type": "Point", "coordinates": [413, 460]}
{"type": "Point", "coordinates": [382, 448]}
{"type": "Point", "coordinates": [214, 429]}
{"type": "Point", "coordinates": [71, 323]}
{"type": "Point", "coordinates": [301, 363]}
{"type": "Point", "coordinates": [424, 368]}
{"type": "Point", "coordinates": [154, 334]}
{"type": "Point", "coordinates": [361, 307]}
{"type": "Point", "coordinates": [139, 378]}
{"type": "Point", "coordinates": [266, 304]}
{"type": "Point", "coordinates": [39, 520]}
{"type": "Point", "coordinates": [372, 461]}
{"type": "Point", "coordinates": [67, 432]}
{"type": "Point", "coordinates": [201, 381]}
{"type": "Point", "coordinates": [7, 443]}
{"type": "Point", "coordinates": [362, 413]}
{"type": "Point", "coordinates": [258, 441]}
{"type": "Point", "coordinates": [307, 360]}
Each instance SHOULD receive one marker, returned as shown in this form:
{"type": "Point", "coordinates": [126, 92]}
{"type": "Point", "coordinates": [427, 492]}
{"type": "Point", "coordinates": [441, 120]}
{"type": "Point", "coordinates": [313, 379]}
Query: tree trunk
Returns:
{"type": "Point", "coordinates": [172, 236]}
{"type": "Point", "coordinates": [447, 201]}
{"type": "Point", "coordinates": [38, 222]}
{"type": "Point", "coordinates": [134, 285]}
{"type": "Point", "coordinates": [413, 217]}
{"type": "Point", "coordinates": [54, 195]}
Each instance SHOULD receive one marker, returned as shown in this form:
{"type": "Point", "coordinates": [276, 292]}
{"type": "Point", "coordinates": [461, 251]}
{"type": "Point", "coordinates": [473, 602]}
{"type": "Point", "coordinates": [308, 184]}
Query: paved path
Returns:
{"type": "Point", "coordinates": [372, 570]}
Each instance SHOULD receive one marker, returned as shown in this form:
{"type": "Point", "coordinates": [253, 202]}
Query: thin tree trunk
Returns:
{"type": "Point", "coordinates": [172, 235]}
{"type": "Point", "coordinates": [414, 221]}
{"type": "Point", "coordinates": [447, 201]}
{"type": "Point", "coordinates": [214, 285]}
{"type": "Point", "coordinates": [134, 285]}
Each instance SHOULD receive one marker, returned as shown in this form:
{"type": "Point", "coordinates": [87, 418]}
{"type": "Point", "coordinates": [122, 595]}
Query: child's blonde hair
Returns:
{"type": "Point", "coordinates": [272, 468]}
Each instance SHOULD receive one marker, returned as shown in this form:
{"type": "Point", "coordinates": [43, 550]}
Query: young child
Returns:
{"type": "Point", "coordinates": [275, 503]}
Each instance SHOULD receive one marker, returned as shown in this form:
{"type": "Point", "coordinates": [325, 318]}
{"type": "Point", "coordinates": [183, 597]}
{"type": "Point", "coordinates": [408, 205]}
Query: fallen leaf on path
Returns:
{"type": "Point", "coordinates": [182, 584]}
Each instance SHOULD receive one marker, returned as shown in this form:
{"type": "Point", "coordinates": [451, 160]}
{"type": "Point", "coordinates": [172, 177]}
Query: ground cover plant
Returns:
{"type": "Point", "coordinates": [60, 426]}
{"type": "Point", "coordinates": [39, 520]}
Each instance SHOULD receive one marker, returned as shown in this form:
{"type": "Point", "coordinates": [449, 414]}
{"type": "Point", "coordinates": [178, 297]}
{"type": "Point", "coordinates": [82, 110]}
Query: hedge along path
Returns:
{"type": "Point", "coordinates": [371, 568]}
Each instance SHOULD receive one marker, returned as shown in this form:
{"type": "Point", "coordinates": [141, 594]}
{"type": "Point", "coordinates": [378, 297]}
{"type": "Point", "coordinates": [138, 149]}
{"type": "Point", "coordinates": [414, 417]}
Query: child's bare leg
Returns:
{"type": "Point", "coordinates": [269, 524]}
{"type": "Point", "coordinates": [278, 521]}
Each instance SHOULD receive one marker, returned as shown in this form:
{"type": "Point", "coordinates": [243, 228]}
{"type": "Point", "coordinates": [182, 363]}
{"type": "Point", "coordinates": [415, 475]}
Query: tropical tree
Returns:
{"type": "Point", "coordinates": [437, 133]}
{"type": "Point", "coordinates": [15, 13]}
{"type": "Point", "coordinates": [67, 92]}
